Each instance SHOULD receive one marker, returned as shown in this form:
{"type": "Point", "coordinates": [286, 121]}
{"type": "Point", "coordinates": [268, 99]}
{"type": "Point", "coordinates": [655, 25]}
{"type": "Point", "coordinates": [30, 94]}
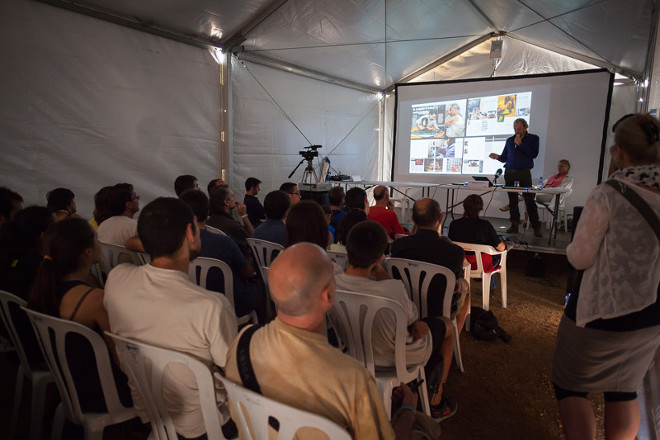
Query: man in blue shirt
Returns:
{"type": "Point", "coordinates": [276, 206]}
{"type": "Point", "coordinates": [518, 157]}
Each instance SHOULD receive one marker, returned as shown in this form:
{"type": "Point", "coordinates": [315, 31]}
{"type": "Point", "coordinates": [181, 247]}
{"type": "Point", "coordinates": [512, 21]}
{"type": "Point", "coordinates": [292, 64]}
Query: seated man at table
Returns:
{"type": "Point", "coordinates": [383, 212]}
{"type": "Point", "coordinates": [430, 342]}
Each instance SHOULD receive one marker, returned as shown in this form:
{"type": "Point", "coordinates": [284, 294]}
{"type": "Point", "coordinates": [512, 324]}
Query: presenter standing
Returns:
{"type": "Point", "coordinates": [518, 158]}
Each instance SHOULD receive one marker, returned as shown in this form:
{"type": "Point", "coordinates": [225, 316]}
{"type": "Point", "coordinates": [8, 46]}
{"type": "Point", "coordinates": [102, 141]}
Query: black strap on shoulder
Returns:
{"type": "Point", "coordinates": [245, 370]}
{"type": "Point", "coordinates": [80, 301]}
{"type": "Point", "coordinates": [638, 202]}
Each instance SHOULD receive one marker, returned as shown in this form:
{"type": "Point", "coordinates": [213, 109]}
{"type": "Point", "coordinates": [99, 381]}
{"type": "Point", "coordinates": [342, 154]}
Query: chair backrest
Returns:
{"type": "Point", "coordinates": [353, 316]}
{"type": "Point", "coordinates": [214, 230]}
{"type": "Point", "coordinates": [52, 336]}
{"type": "Point", "coordinates": [339, 257]}
{"type": "Point", "coordinates": [256, 411]}
{"type": "Point", "coordinates": [145, 365]}
{"type": "Point", "coordinates": [112, 255]}
{"type": "Point", "coordinates": [479, 249]}
{"type": "Point", "coordinates": [20, 331]}
{"type": "Point", "coordinates": [264, 252]}
{"type": "Point", "coordinates": [417, 277]}
{"type": "Point", "coordinates": [198, 271]}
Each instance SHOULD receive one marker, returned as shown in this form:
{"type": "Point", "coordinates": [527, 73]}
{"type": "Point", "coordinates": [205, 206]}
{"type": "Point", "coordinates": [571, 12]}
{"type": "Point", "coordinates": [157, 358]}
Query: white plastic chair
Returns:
{"type": "Point", "coordinates": [479, 249]}
{"type": "Point", "coordinates": [10, 310]}
{"type": "Point", "coordinates": [353, 316]}
{"type": "Point", "coordinates": [52, 336]}
{"type": "Point", "coordinates": [339, 257]}
{"type": "Point", "coordinates": [264, 252]}
{"type": "Point", "coordinates": [416, 277]}
{"type": "Point", "coordinates": [113, 255]}
{"type": "Point", "coordinates": [204, 265]}
{"type": "Point", "coordinates": [214, 230]}
{"type": "Point", "coordinates": [254, 411]}
{"type": "Point", "coordinates": [145, 365]}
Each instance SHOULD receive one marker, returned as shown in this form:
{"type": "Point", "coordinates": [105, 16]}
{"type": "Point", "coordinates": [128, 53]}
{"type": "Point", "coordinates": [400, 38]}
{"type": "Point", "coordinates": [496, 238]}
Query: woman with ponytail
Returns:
{"type": "Point", "coordinates": [62, 289]}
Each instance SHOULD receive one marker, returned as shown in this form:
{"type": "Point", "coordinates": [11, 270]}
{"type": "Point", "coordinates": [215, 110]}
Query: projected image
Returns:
{"type": "Point", "coordinates": [464, 132]}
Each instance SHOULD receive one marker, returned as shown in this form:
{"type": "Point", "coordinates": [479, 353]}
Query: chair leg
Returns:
{"type": "Point", "coordinates": [93, 431]}
{"type": "Point", "coordinates": [503, 287]}
{"type": "Point", "coordinates": [38, 401]}
{"type": "Point", "coordinates": [423, 393]}
{"type": "Point", "coordinates": [58, 423]}
{"type": "Point", "coordinates": [18, 396]}
{"type": "Point", "coordinates": [485, 288]}
{"type": "Point", "coordinates": [457, 347]}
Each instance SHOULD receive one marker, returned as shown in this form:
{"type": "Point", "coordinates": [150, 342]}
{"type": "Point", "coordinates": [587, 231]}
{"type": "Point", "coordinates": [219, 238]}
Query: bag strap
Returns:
{"type": "Point", "coordinates": [639, 203]}
{"type": "Point", "coordinates": [243, 362]}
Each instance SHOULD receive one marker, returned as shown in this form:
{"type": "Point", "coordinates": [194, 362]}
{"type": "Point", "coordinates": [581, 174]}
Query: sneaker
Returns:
{"type": "Point", "coordinates": [444, 410]}
{"type": "Point", "coordinates": [513, 229]}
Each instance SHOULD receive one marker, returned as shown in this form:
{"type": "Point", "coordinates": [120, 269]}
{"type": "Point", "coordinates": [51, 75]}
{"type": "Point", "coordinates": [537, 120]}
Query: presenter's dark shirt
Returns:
{"type": "Point", "coordinates": [428, 246]}
{"type": "Point", "coordinates": [520, 157]}
{"type": "Point", "coordinates": [254, 209]}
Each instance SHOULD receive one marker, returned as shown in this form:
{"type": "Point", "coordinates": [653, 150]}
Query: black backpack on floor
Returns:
{"type": "Point", "coordinates": [484, 326]}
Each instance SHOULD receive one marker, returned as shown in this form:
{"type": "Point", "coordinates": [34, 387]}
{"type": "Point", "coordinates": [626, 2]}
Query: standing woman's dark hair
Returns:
{"type": "Point", "coordinates": [65, 243]}
{"type": "Point", "coordinates": [306, 223]}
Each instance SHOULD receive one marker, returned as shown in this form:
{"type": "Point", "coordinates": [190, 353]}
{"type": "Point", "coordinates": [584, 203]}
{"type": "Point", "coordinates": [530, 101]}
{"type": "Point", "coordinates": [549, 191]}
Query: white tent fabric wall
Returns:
{"type": "Point", "coordinates": [87, 103]}
{"type": "Point", "coordinates": [266, 143]}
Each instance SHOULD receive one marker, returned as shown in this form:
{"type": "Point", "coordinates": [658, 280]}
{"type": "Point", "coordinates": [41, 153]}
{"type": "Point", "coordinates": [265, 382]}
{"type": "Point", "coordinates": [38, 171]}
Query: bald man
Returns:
{"type": "Point", "coordinates": [382, 212]}
{"type": "Point", "coordinates": [293, 362]}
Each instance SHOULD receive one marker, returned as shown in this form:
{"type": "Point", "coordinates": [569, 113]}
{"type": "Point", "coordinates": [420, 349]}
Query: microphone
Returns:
{"type": "Point", "coordinates": [498, 173]}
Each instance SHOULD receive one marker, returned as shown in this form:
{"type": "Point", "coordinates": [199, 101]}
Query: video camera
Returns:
{"type": "Point", "coordinates": [310, 152]}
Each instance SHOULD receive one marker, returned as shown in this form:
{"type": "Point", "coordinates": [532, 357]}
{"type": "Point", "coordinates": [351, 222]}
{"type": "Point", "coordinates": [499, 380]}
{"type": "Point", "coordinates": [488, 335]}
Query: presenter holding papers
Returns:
{"type": "Point", "coordinates": [518, 158]}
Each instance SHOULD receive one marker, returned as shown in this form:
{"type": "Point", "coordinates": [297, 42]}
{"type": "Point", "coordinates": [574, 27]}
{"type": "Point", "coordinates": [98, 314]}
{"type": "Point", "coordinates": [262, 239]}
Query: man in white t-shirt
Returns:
{"type": "Point", "coordinates": [157, 304]}
{"type": "Point", "coordinates": [365, 246]}
{"type": "Point", "coordinates": [123, 203]}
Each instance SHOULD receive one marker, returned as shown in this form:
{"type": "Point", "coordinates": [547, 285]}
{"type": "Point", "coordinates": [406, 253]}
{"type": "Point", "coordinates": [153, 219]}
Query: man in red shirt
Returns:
{"type": "Point", "coordinates": [382, 212]}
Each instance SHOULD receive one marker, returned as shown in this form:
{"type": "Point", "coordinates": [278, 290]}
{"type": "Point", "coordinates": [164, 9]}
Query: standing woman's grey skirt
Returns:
{"type": "Point", "coordinates": [590, 360]}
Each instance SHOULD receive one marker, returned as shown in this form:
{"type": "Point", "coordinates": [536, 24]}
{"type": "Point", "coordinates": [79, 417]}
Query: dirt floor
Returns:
{"type": "Point", "coordinates": [505, 391]}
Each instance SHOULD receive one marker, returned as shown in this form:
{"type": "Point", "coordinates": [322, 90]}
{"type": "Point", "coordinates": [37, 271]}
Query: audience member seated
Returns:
{"type": "Point", "coordinates": [328, 219]}
{"type": "Point", "coordinates": [156, 303]}
{"type": "Point", "coordinates": [306, 223]}
{"type": "Point", "coordinates": [123, 203]}
{"type": "Point", "coordinates": [292, 190]}
{"type": "Point", "coordinates": [223, 203]}
{"type": "Point", "coordinates": [356, 198]}
{"type": "Point", "coordinates": [21, 249]}
{"type": "Point", "coordinates": [347, 222]}
{"type": "Point", "coordinates": [276, 208]}
{"type": "Point", "coordinates": [10, 203]}
{"type": "Point", "coordinates": [472, 229]}
{"type": "Point", "coordinates": [428, 245]}
{"type": "Point", "coordinates": [382, 212]}
{"type": "Point", "coordinates": [366, 244]}
{"type": "Point", "coordinates": [213, 183]}
{"type": "Point", "coordinates": [255, 209]}
{"type": "Point", "coordinates": [101, 208]}
{"type": "Point", "coordinates": [294, 364]}
{"type": "Point", "coordinates": [561, 179]}
{"type": "Point", "coordinates": [62, 203]}
{"type": "Point", "coordinates": [222, 247]}
{"type": "Point", "coordinates": [336, 197]}
{"type": "Point", "coordinates": [185, 182]}
{"type": "Point", "coordinates": [62, 289]}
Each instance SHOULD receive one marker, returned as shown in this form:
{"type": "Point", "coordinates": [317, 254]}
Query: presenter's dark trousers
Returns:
{"type": "Point", "coordinates": [525, 179]}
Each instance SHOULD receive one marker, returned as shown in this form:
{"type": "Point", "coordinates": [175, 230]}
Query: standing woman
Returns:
{"type": "Point", "coordinates": [62, 289]}
{"type": "Point", "coordinates": [610, 329]}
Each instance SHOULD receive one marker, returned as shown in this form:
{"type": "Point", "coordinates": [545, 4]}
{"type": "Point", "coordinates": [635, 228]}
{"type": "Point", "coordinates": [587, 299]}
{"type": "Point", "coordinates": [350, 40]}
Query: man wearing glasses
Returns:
{"type": "Point", "coordinates": [292, 190]}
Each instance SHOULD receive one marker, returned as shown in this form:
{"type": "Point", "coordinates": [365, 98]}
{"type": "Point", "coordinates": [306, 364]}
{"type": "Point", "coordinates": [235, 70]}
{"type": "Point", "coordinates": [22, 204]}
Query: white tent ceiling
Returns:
{"type": "Point", "coordinates": [372, 44]}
